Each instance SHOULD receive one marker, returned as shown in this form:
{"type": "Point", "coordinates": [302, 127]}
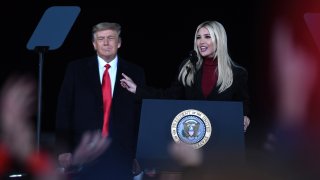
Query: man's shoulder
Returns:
{"type": "Point", "coordinates": [132, 70]}
{"type": "Point", "coordinates": [130, 65]}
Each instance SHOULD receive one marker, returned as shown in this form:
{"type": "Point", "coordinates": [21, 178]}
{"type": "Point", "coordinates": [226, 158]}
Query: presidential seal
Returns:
{"type": "Point", "coordinates": [191, 127]}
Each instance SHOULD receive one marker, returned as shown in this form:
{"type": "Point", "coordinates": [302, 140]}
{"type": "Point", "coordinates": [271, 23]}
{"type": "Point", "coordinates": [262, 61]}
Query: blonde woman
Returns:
{"type": "Point", "coordinates": [208, 74]}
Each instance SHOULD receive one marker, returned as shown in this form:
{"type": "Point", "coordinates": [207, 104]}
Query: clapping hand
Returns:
{"type": "Point", "coordinates": [92, 145]}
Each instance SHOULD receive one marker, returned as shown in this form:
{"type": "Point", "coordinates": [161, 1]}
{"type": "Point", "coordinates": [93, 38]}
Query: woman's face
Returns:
{"type": "Point", "coordinates": [206, 44]}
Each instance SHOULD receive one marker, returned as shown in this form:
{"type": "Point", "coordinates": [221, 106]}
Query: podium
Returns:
{"type": "Point", "coordinates": [216, 127]}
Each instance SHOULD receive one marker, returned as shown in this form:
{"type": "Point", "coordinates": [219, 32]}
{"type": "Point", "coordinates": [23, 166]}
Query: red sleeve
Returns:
{"type": "Point", "coordinates": [40, 163]}
{"type": "Point", "coordinates": [5, 160]}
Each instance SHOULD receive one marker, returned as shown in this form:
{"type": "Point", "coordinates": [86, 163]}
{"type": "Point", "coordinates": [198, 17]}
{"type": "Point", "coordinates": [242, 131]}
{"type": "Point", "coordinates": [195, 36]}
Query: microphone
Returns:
{"type": "Point", "coordinates": [193, 57]}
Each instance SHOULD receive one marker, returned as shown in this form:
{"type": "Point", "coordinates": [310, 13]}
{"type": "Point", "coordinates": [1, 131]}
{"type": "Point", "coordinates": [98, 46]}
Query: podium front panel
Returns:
{"type": "Point", "coordinates": [155, 135]}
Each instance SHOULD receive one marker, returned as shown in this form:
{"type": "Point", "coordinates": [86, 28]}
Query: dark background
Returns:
{"type": "Point", "coordinates": [156, 36]}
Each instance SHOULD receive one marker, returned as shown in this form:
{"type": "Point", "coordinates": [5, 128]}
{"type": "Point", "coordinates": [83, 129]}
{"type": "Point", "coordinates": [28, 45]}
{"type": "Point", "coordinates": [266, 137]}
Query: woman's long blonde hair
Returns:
{"type": "Point", "coordinates": [225, 74]}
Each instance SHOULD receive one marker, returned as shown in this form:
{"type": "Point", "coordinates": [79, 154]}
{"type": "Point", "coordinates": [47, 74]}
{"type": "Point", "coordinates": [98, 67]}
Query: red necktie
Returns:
{"type": "Point", "coordinates": [107, 99]}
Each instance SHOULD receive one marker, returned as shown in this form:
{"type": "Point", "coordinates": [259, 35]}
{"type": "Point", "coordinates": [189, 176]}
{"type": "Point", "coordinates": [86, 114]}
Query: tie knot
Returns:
{"type": "Point", "coordinates": [107, 66]}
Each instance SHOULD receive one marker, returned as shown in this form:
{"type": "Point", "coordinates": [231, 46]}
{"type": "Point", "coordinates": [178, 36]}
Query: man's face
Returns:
{"type": "Point", "coordinates": [107, 43]}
